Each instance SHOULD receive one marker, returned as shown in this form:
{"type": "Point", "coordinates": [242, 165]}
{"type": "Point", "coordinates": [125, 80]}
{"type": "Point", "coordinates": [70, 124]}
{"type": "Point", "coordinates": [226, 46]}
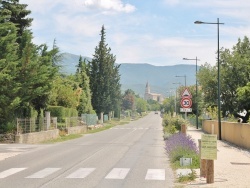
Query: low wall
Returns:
{"type": "Point", "coordinates": [235, 133]}
{"type": "Point", "coordinates": [36, 137]}
{"type": "Point", "coordinates": [77, 130]}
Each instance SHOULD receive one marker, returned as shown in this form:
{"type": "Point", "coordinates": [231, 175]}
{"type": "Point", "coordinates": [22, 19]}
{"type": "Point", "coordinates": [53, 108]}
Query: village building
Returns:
{"type": "Point", "coordinates": [152, 96]}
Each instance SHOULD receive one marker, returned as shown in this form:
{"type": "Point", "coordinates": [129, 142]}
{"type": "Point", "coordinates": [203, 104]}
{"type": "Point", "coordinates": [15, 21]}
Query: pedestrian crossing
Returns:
{"type": "Point", "coordinates": [81, 173]}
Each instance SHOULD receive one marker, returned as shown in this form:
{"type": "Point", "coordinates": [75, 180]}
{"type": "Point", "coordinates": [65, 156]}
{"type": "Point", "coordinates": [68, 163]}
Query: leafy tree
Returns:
{"type": "Point", "coordinates": [84, 101]}
{"type": "Point", "coordinates": [235, 74]}
{"type": "Point", "coordinates": [128, 100]}
{"type": "Point", "coordinates": [64, 92]}
{"type": "Point", "coordinates": [141, 105]}
{"type": "Point", "coordinates": [153, 105]}
{"type": "Point", "coordinates": [207, 78]}
{"type": "Point", "coordinates": [234, 77]}
{"type": "Point", "coordinates": [104, 79]}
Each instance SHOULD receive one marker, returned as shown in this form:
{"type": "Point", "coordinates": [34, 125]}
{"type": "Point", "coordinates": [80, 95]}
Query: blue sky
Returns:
{"type": "Point", "coordinates": [157, 32]}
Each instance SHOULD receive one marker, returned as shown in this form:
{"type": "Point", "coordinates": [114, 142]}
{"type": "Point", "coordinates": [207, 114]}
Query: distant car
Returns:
{"type": "Point", "coordinates": [156, 112]}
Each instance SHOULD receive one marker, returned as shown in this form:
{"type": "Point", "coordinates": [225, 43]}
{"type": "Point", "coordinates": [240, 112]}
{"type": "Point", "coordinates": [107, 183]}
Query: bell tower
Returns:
{"type": "Point", "coordinates": [147, 91]}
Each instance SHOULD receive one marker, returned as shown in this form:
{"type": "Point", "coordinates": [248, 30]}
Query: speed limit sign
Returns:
{"type": "Point", "coordinates": [186, 102]}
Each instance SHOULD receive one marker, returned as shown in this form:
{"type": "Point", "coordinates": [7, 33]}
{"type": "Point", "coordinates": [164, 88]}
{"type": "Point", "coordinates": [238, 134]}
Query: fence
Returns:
{"type": "Point", "coordinates": [192, 121]}
{"type": "Point", "coordinates": [74, 121]}
{"type": "Point", "coordinates": [29, 125]}
{"type": "Point", "coordinates": [90, 119]}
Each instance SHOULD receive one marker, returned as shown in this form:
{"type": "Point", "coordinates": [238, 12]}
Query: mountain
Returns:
{"type": "Point", "coordinates": [135, 76]}
{"type": "Point", "coordinates": [69, 63]}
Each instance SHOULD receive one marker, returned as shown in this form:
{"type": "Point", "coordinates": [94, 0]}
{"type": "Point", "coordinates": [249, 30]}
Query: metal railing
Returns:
{"type": "Point", "coordinates": [29, 125]}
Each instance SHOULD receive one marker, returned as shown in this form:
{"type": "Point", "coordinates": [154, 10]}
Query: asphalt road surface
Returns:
{"type": "Point", "coordinates": [126, 156]}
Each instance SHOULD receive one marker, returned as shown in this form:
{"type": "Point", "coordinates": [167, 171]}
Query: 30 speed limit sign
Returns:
{"type": "Point", "coordinates": [186, 102]}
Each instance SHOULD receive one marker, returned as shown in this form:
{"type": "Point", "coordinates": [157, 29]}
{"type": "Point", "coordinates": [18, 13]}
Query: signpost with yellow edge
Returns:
{"type": "Point", "coordinates": [209, 152]}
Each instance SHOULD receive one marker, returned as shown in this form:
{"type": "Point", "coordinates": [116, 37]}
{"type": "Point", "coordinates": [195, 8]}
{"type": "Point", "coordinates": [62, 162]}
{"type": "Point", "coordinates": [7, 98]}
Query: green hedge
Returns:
{"type": "Point", "coordinates": [62, 112]}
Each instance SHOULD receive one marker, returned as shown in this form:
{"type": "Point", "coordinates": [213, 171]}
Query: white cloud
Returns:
{"type": "Point", "coordinates": [109, 5]}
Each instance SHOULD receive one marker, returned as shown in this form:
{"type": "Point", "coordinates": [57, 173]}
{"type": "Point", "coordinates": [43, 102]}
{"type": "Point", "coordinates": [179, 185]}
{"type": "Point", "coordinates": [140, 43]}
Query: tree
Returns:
{"type": "Point", "coordinates": [141, 105]}
{"type": "Point", "coordinates": [207, 78]}
{"type": "Point", "coordinates": [84, 101]}
{"type": "Point", "coordinates": [128, 100]}
{"type": "Point", "coordinates": [234, 77]}
{"type": "Point", "coordinates": [18, 15]}
{"type": "Point", "coordinates": [235, 74]}
{"type": "Point", "coordinates": [9, 100]}
{"type": "Point", "coordinates": [36, 75]}
{"type": "Point", "coordinates": [104, 79]}
{"type": "Point", "coordinates": [64, 92]}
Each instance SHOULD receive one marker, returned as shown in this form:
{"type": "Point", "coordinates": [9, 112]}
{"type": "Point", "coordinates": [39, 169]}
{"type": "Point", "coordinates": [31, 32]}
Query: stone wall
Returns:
{"type": "Point", "coordinates": [7, 138]}
{"type": "Point", "coordinates": [77, 130]}
{"type": "Point", "coordinates": [36, 137]}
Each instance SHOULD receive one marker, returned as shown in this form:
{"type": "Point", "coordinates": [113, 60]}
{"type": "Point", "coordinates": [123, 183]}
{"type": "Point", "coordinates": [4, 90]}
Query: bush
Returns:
{"type": "Point", "coordinates": [190, 177]}
{"type": "Point", "coordinates": [178, 146]}
{"type": "Point", "coordinates": [173, 124]}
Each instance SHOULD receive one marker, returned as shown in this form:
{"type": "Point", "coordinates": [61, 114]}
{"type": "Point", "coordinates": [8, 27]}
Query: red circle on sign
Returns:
{"type": "Point", "coordinates": [186, 102]}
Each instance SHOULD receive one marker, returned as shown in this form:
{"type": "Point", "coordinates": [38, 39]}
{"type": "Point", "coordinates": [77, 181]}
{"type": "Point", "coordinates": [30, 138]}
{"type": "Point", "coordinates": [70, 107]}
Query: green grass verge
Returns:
{"type": "Point", "coordinates": [63, 138]}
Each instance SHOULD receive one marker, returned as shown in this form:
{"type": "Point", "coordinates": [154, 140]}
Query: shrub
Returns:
{"type": "Point", "coordinates": [173, 124]}
{"type": "Point", "coordinates": [190, 177]}
{"type": "Point", "coordinates": [179, 145]}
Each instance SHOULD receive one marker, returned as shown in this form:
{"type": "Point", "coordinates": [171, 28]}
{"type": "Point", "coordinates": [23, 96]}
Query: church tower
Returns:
{"type": "Point", "coordinates": [147, 92]}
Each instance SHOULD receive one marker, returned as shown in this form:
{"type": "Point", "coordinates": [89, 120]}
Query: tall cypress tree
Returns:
{"type": "Point", "coordinates": [84, 104]}
{"type": "Point", "coordinates": [18, 15]}
{"type": "Point", "coordinates": [9, 99]}
{"type": "Point", "coordinates": [104, 78]}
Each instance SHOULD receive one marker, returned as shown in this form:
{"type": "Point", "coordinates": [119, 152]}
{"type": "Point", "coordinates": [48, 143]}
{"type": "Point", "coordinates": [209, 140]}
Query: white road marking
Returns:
{"type": "Point", "coordinates": [155, 174]}
{"type": "Point", "coordinates": [118, 173]}
{"type": "Point", "coordinates": [43, 173]}
{"type": "Point", "coordinates": [16, 149]}
{"type": "Point", "coordinates": [81, 173]}
{"type": "Point", "coordinates": [11, 171]}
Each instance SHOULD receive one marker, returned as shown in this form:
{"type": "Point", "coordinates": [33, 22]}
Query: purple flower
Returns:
{"type": "Point", "coordinates": [180, 141]}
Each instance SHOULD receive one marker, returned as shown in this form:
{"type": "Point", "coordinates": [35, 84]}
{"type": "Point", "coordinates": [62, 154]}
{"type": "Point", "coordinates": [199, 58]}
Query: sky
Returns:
{"type": "Point", "coordinates": [157, 32]}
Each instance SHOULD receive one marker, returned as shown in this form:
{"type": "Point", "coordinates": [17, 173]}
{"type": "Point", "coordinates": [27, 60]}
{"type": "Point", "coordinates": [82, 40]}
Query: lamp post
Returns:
{"type": "Point", "coordinates": [218, 59]}
{"type": "Point", "coordinates": [185, 79]}
{"type": "Point", "coordinates": [176, 96]}
{"type": "Point", "coordinates": [196, 86]}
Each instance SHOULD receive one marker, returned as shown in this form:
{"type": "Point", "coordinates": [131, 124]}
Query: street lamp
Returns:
{"type": "Point", "coordinates": [176, 96]}
{"type": "Point", "coordinates": [218, 59]}
{"type": "Point", "coordinates": [196, 90]}
{"type": "Point", "coordinates": [185, 79]}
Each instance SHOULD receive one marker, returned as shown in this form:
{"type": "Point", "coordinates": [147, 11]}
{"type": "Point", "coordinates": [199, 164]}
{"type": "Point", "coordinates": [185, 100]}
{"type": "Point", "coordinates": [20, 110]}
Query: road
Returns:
{"type": "Point", "coordinates": [125, 156]}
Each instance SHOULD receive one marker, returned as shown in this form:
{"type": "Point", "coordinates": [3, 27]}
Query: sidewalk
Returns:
{"type": "Point", "coordinates": [231, 169]}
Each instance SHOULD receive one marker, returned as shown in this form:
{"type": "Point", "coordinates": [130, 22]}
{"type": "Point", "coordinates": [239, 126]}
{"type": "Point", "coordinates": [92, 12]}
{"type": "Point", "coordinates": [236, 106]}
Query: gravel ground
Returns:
{"type": "Point", "coordinates": [231, 169]}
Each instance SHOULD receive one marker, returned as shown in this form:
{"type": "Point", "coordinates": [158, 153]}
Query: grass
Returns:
{"type": "Point", "coordinates": [99, 129]}
{"type": "Point", "coordinates": [190, 177]}
{"type": "Point", "coordinates": [63, 138]}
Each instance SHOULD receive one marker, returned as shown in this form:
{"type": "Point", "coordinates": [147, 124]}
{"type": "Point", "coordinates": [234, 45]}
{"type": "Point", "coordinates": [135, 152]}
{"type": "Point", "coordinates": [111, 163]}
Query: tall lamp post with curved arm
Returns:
{"type": "Point", "coordinates": [218, 59]}
{"type": "Point", "coordinates": [196, 92]}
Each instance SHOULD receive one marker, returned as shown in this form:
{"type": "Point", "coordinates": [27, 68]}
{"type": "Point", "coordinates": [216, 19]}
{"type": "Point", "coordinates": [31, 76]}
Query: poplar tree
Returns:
{"type": "Point", "coordinates": [104, 79]}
